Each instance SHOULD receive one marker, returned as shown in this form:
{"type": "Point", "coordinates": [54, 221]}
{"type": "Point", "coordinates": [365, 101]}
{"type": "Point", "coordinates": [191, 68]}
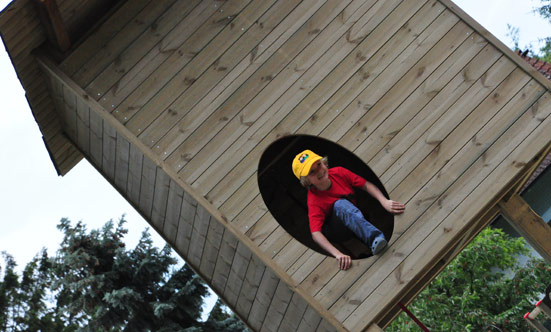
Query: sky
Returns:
{"type": "Point", "coordinates": [33, 198]}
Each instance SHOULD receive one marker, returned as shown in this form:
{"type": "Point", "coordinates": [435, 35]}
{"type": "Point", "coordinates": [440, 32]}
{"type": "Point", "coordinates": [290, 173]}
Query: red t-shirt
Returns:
{"type": "Point", "coordinates": [320, 202]}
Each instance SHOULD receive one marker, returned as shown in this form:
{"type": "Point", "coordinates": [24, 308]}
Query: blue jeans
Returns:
{"type": "Point", "coordinates": [350, 216]}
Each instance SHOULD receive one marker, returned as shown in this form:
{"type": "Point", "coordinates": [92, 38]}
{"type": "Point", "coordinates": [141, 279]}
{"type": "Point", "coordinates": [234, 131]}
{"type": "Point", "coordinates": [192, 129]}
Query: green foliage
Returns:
{"type": "Point", "coordinates": [545, 12]}
{"type": "Point", "coordinates": [484, 288]}
{"type": "Point", "coordinates": [95, 283]}
{"type": "Point", "coordinates": [544, 53]}
{"type": "Point", "coordinates": [545, 9]}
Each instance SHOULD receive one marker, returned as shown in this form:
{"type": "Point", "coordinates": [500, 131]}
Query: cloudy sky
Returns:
{"type": "Point", "coordinates": [33, 198]}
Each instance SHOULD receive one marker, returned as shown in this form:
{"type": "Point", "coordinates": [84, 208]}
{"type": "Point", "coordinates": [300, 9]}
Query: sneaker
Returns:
{"type": "Point", "coordinates": [378, 245]}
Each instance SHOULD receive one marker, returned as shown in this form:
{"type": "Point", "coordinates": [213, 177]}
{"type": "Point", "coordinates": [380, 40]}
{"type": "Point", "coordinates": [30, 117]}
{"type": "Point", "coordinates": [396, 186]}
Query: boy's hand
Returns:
{"type": "Point", "coordinates": [394, 207]}
{"type": "Point", "coordinates": [344, 261]}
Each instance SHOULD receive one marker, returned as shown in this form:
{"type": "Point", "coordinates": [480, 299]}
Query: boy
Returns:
{"type": "Point", "coordinates": [328, 189]}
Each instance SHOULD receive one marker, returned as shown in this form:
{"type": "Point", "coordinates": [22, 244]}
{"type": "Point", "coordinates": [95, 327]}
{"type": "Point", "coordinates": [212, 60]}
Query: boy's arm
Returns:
{"type": "Point", "coordinates": [343, 260]}
{"type": "Point", "coordinates": [389, 205]}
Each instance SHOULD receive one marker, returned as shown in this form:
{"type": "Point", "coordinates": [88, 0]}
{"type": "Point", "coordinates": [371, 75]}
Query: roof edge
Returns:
{"type": "Point", "coordinates": [512, 55]}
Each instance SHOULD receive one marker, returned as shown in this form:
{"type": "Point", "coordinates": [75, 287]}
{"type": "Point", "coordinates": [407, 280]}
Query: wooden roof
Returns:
{"type": "Point", "coordinates": [174, 103]}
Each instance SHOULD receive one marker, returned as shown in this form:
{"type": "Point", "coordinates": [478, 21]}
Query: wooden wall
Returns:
{"type": "Point", "coordinates": [175, 101]}
{"type": "Point", "coordinates": [256, 293]}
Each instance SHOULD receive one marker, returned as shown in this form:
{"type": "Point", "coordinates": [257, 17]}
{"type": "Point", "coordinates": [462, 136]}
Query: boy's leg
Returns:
{"type": "Point", "coordinates": [354, 220]}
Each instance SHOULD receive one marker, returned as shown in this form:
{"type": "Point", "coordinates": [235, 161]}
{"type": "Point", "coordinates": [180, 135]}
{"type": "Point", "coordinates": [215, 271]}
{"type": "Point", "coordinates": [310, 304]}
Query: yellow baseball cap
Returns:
{"type": "Point", "coordinates": [303, 161]}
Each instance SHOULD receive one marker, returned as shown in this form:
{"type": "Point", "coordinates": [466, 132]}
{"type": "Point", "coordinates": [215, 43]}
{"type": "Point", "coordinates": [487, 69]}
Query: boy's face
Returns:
{"type": "Point", "coordinates": [319, 176]}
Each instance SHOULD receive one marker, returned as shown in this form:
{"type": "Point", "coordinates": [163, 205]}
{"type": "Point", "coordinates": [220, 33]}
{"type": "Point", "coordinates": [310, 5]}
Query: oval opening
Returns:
{"type": "Point", "coordinates": [286, 198]}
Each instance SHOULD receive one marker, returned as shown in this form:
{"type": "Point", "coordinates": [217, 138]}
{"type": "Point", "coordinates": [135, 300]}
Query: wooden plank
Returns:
{"type": "Point", "coordinates": [66, 157]}
{"type": "Point", "coordinates": [147, 187]}
{"type": "Point", "coordinates": [167, 47]}
{"type": "Point", "coordinates": [246, 113]}
{"type": "Point", "coordinates": [292, 318]}
{"type": "Point", "coordinates": [173, 208]}
{"type": "Point", "coordinates": [105, 32]}
{"type": "Point", "coordinates": [68, 113]}
{"type": "Point", "coordinates": [289, 254]}
{"type": "Point", "coordinates": [185, 225]}
{"type": "Point", "coordinates": [28, 37]}
{"type": "Point", "coordinates": [325, 326]}
{"type": "Point", "coordinates": [251, 214]}
{"type": "Point", "coordinates": [381, 51]}
{"type": "Point", "coordinates": [492, 171]}
{"type": "Point", "coordinates": [106, 54]}
{"type": "Point", "coordinates": [256, 112]}
{"type": "Point", "coordinates": [109, 150]}
{"type": "Point", "coordinates": [52, 69]}
{"type": "Point", "coordinates": [529, 170]}
{"type": "Point", "coordinates": [413, 64]}
{"type": "Point", "coordinates": [468, 101]}
{"type": "Point", "coordinates": [231, 82]}
{"type": "Point", "coordinates": [400, 113]}
{"type": "Point", "coordinates": [212, 248]}
{"type": "Point", "coordinates": [134, 180]}
{"type": "Point", "coordinates": [16, 12]}
{"type": "Point", "coordinates": [149, 41]}
{"type": "Point", "coordinates": [198, 236]}
{"type": "Point", "coordinates": [434, 193]}
{"type": "Point", "coordinates": [96, 139]}
{"type": "Point", "coordinates": [374, 328]}
{"type": "Point", "coordinates": [262, 300]}
{"type": "Point", "coordinates": [528, 223]}
{"type": "Point", "coordinates": [171, 69]}
{"type": "Point", "coordinates": [83, 126]}
{"type": "Point", "coordinates": [504, 49]}
{"type": "Point", "coordinates": [160, 199]}
{"type": "Point", "coordinates": [237, 274]}
{"type": "Point", "coordinates": [467, 128]}
{"type": "Point", "coordinates": [302, 112]}
{"type": "Point", "coordinates": [235, 203]}
{"type": "Point", "coordinates": [309, 321]}
{"type": "Point", "coordinates": [425, 117]}
{"type": "Point", "coordinates": [224, 262]}
{"type": "Point", "coordinates": [122, 164]}
{"type": "Point", "coordinates": [304, 269]}
{"type": "Point", "coordinates": [327, 271]}
{"type": "Point", "coordinates": [239, 56]}
{"type": "Point", "coordinates": [225, 51]}
{"type": "Point", "coordinates": [251, 284]}
{"type": "Point", "coordinates": [262, 229]}
{"type": "Point", "coordinates": [275, 241]}
{"type": "Point", "coordinates": [56, 92]}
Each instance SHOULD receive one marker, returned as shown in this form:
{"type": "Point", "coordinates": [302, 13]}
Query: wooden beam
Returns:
{"type": "Point", "coordinates": [447, 256]}
{"type": "Point", "coordinates": [49, 14]}
{"type": "Point", "coordinates": [528, 223]}
{"type": "Point", "coordinates": [529, 169]}
{"type": "Point", "coordinates": [374, 328]}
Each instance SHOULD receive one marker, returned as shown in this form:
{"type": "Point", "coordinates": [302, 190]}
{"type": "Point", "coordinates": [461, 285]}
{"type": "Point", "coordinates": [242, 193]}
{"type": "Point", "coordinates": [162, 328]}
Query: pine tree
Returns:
{"type": "Point", "coordinates": [94, 283]}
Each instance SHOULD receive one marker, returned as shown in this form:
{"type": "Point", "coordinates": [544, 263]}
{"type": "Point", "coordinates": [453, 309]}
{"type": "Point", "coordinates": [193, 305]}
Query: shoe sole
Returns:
{"type": "Point", "coordinates": [379, 246]}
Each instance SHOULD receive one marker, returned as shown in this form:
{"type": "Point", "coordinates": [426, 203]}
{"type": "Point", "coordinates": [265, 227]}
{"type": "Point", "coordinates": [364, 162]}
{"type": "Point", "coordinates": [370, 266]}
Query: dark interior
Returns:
{"type": "Point", "coordinates": [286, 198]}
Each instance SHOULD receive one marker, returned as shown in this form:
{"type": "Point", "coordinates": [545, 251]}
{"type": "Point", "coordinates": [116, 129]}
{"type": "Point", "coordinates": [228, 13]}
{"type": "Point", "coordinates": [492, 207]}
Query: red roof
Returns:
{"type": "Point", "coordinates": [542, 66]}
